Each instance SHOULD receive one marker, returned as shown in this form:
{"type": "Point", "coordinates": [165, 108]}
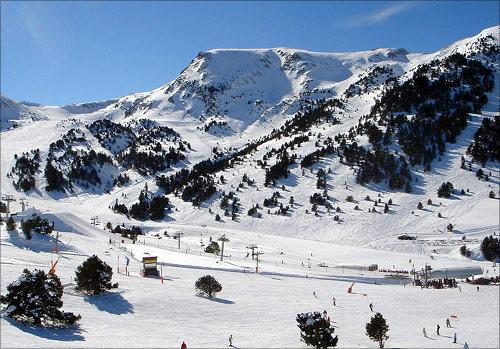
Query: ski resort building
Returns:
{"type": "Point", "coordinates": [454, 272]}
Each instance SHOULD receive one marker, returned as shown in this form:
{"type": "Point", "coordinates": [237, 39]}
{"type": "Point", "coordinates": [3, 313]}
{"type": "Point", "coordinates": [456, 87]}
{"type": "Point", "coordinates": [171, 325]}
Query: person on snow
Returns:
{"type": "Point", "coordinates": [455, 338]}
{"type": "Point", "coordinates": [183, 345]}
{"type": "Point", "coordinates": [314, 294]}
{"type": "Point", "coordinates": [325, 315]}
{"type": "Point", "coordinates": [231, 340]}
{"type": "Point", "coordinates": [448, 324]}
{"type": "Point", "coordinates": [334, 300]}
{"type": "Point", "coordinates": [371, 306]}
{"type": "Point", "coordinates": [425, 333]}
{"type": "Point", "coordinates": [437, 329]}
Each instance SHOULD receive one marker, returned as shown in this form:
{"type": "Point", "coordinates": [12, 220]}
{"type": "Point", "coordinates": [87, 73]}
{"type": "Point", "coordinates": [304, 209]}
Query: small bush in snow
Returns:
{"type": "Point", "coordinates": [464, 251]}
{"type": "Point", "coordinates": [315, 330]}
{"type": "Point", "coordinates": [35, 299]}
{"type": "Point", "coordinates": [94, 276]}
{"type": "Point", "coordinates": [208, 285]}
{"type": "Point", "coordinates": [213, 247]}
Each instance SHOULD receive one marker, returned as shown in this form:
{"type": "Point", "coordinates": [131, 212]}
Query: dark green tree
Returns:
{"type": "Point", "coordinates": [11, 223]}
{"type": "Point", "coordinates": [94, 276]}
{"type": "Point", "coordinates": [491, 248]}
{"type": "Point", "coordinates": [377, 329]}
{"type": "Point", "coordinates": [55, 178]}
{"type": "Point", "coordinates": [208, 285]}
{"type": "Point", "coordinates": [445, 190]}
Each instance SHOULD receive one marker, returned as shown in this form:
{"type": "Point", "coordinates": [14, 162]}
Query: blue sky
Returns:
{"type": "Point", "coordinates": [68, 52]}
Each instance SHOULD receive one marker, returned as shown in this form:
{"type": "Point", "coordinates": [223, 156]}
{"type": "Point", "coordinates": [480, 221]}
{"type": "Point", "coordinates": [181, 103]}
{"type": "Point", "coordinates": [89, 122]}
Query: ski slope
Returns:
{"type": "Point", "coordinates": [257, 309]}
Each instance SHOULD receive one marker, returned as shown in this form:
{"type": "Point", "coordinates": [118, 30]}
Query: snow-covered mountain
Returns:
{"type": "Point", "coordinates": [224, 100]}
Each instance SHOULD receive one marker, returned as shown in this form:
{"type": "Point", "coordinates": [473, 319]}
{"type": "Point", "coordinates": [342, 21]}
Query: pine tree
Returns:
{"type": "Point", "coordinates": [208, 286]}
{"type": "Point", "coordinates": [55, 178]}
{"type": "Point", "coordinates": [94, 276]}
{"type": "Point", "coordinates": [445, 190]}
{"type": "Point", "coordinates": [316, 331]}
{"type": "Point", "coordinates": [490, 247]}
{"type": "Point", "coordinates": [35, 298]}
{"type": "Point", "coordinates": [377, 329]}
{"type": "Point", "coordinates": [11, 224]}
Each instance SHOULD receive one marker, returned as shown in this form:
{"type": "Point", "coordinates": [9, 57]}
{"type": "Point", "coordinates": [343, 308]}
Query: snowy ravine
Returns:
{"type": "Point", "coordinates": [224, 100]}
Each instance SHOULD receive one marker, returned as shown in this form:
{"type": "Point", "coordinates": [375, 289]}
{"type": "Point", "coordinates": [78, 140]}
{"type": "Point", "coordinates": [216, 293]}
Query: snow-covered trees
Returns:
{"type": "Point", "coordinates": [315, 330]}
{"type": "Point", "coordinates": [94, 276]}
{"type": "Point", "coordinates": [208, 285]}
{"type": "Point", "coordinates": [25, 168]}
{"type": "Point", "coordinates": [377, 329]}
{"type": "Point", "coordinates": [35, 298]}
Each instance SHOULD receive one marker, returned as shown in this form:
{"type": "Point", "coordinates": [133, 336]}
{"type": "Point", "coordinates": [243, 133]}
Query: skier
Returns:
{"type": "Point", "coordinates": [314, 294]}
{"type": "Point", "coordinates": [455, 338]}
{"type": "Point", "coordinates": [334, 300]}
{"type": "Point", "coordinates": [437, 329]}
{"type": "Point", "coordinates": [425, 333]}
{"type": "Point", "coordinates": [231, 340]}
{"type": "Point", "coordinates": [466, 346]}
{"type": "Point", "coordinates": [183, 346]}
{"type": "Point", "coordinates": [477, 288]}
{"type": "Point", "coordinates": [448, 322]}
{"type": "Point", "coordinates": [325, 315]}
{"type": "Point", "coordinates": [371, 306]}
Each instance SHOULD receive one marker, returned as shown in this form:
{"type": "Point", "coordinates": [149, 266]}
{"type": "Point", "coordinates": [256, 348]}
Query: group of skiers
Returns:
{"type": "Point", "coordinates": [448, 324]}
